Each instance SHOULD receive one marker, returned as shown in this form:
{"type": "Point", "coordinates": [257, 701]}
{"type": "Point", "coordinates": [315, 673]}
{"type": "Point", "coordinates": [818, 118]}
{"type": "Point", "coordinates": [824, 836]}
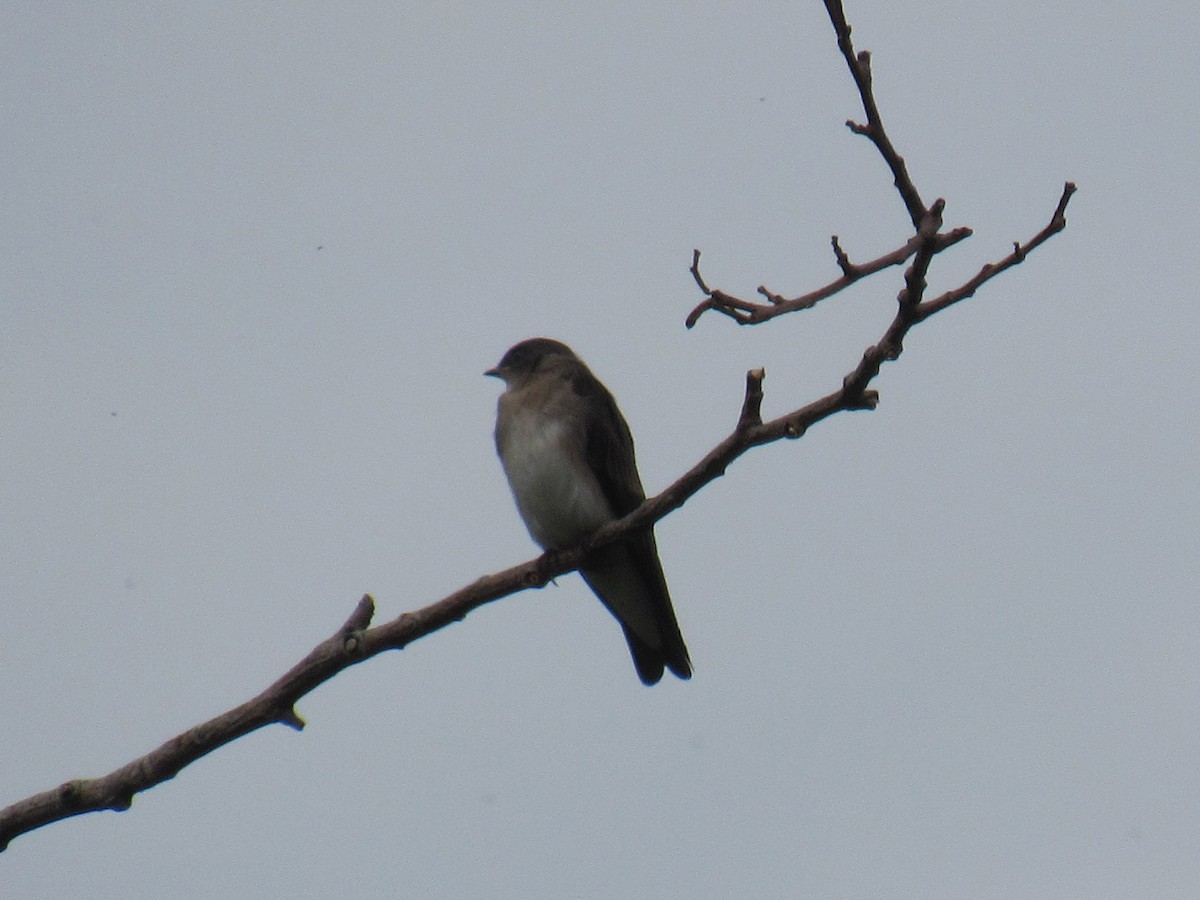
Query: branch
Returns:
{"type": "Point", "coordinates": [860, 70]}
{"type": "Point", "coordinates": [355, 641]}
{"type": "Point", "coordinates": [748, 312]}
{"type": "Point", "coordinates": [1058, 222]}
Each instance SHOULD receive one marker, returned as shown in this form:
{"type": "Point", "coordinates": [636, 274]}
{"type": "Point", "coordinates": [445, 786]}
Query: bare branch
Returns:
{"type": "Point", "coordinates": [848, 268]}
{"type": "Point", "coordinates": [747, 312]}
{"type": "Point", "coordinates": [717, 300]}
{"type": "Point", "coordinates": [355, 641]}
{"type": "Point", "coordinates": [860, 70]}
{"type": "Point", "coordinates": [1058, 222]}
{"type": "Point", "coordinates": [752, 406]}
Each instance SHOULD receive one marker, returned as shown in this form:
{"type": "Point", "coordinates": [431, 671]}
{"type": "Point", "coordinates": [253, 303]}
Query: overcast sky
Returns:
{"type": "Point", "coordinates": [256, 259]}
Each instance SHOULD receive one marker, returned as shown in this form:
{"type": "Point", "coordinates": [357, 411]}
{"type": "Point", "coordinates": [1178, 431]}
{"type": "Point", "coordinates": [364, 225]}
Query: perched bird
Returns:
{"type": "Point", "coordinates": [568, 456]}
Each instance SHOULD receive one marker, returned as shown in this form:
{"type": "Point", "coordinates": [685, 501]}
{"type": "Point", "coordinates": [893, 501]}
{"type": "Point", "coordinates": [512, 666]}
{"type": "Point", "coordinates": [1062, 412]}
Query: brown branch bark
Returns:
{"type": "Point", "coordinates": [1057, 223]}
{"type": "Point", "coordinates": [860, 70]}
{"type": "Point", "coordinates": [355, 641]}
{"type": "Point", "coordinates": [750, 312]}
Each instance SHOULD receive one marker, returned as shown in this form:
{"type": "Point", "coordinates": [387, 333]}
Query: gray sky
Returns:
{"type": "Point", "coordinates": [256, 260]}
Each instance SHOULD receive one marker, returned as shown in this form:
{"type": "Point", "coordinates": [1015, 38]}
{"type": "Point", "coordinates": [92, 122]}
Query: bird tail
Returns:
{"type": "Point", "coordinates": [628, 579]}
{"type": "Point", "coordinates": [651, 661]}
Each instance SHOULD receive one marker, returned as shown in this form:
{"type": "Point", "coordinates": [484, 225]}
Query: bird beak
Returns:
{"type": "Point", "coordinates": [495, 373]}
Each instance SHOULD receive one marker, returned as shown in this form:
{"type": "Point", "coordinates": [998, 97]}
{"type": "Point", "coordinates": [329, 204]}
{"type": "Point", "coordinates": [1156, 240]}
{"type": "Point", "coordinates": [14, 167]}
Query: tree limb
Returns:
{"type": "Point", "coordinates": [355, 641]}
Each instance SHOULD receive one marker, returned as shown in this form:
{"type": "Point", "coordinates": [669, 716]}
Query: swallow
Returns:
{"type": "Point", "coordinates": [568, 455]}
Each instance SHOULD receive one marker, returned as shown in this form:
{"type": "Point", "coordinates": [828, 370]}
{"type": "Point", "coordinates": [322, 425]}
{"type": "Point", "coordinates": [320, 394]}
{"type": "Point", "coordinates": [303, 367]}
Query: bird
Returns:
{"type": "Point", "coordinates": [568, 455]}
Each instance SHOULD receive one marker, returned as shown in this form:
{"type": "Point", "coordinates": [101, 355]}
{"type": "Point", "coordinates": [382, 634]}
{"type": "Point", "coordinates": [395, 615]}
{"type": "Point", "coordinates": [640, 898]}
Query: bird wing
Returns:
{"type": "Point", "coordinates": [609, 451]}
{"type": "Point", "coordinates": [610, 456]}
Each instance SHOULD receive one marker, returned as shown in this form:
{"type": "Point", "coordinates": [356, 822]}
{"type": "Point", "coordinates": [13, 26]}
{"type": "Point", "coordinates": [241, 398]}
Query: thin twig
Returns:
{"type": "Point", "coordinates": [1058, 222]}
{"type": "Point", "coordinates": [747, 312]}
{"type": "Point", "coordinates": [860, 70]}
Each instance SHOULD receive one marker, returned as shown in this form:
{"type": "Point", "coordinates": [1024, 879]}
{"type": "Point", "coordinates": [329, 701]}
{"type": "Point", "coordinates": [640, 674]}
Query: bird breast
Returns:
{"type": "Point", "coordinates": [557, 495]}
